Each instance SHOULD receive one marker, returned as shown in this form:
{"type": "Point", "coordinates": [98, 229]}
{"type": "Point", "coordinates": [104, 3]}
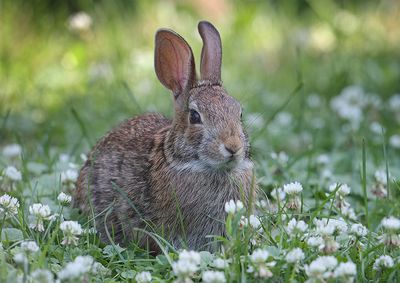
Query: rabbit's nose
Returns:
{"type": "Point", "coordinates": [233, 151]}
{"type": "Point", "coordinates": [233, 147]}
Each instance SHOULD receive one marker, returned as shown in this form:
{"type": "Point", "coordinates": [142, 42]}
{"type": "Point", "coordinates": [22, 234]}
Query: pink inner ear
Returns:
{"type": "Point", "coordinates": [211, 53]}
{"type": "Point", "coordinates": [174, 61]}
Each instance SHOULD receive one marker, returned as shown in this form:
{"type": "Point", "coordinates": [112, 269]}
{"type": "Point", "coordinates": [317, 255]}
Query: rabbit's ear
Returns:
{"type": "Point", "coordinates": [174, 61]}
{"type": "Point", "coordinates": [211, 54]}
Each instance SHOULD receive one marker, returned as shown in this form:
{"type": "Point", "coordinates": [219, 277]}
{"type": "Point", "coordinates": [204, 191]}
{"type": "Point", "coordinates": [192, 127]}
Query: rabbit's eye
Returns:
{"type": "Point", "coordinates": [194, 117]}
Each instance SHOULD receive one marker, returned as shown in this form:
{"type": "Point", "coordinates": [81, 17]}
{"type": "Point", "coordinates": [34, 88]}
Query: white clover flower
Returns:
{"type": "Point", "coordinates": [74, 270]}
{"type": "Point", "coordinates": [296, 227]}
{"type": "Point", "coordinates": [326, 174]}
{"type": "Point", "coordinates": [292, 191]}
{"type": "Point", "coordinates": [56, 216]}
{"type": "Point", "coordinates": [321, 267]}
{"type": "Point", "coordinates": [325, 230]}
{"type": "Point", "coordinates": [394, 102]}
{"type": "Point", "coordinates": [376, 128]}
{"type": "Point", "coordinates": [329, 246]}
{"type": "Point", "coordinates": [280, 157]}
{"type": "Point", "coordinates": [261, 269]}
{"type": "Point", "coordinates": [317, 123]}
{"type": "Point", "coordinates": [83, 157]}
{"type": "Point", "coordinates": [323, 159]}
{"type": "Point", "coordinates": [143, 277]}
{"type": "Point", "coordinates": [254, 221]}
{"type": "Point", "coordinates": [328, 261]}
{"type": "Point", "coordinates": [293, 188]}
{"type": "Point", "coordinates": [347, 211]}
{"type": "Point", "coordinates": [12, 150]}
{"type": "Point", "coordinates": [69, 176]}
{"type": "Point", "coordinates": [391, 226]}
{"type": "Point", "coordinates": [40, 212]}
{"type": "Point", "coordinates": [80, 22]}
{"type": "Point", "coordinates": [349, 105]}
{"type": "Point", "coordinates": [262, 204]}
{"type": "Point", "coordinates": [394, 141]}
{"type": "Point", "coordinates": [345, 269]}
{"type": "Point", "coordinates": [20, 258]}
{"type": "Point", "coordinates": [8, 205]}
{"type": "Point", "coordinates": [12, 173]}
{"type": "Point", "coordinates": [278, 193]}
{"type": "Point", "coordinates": [231, 207]}
{"type": "Point", "coordinates": [283, 119]}
{"type": "Point", "coordinates": [342, 189]}
{"type": "Point", "coordinates": [64, 199]}
{"type": "Point", "coordinates": [64, 158]}
{"type": "Point", "coordinates": [359, 230]}
{"type": "Point", "coordinates": [313, 100]}
{"type": "Point", "coordinates": [220, 263]}
{"type": "Point", "coordinates": [390, 239]}
{"type": "Point", "coordinates": [29, 247]}
{"type": "Point", "coordinates": [187, 265]}
{"type": "Point", "coordinates": [213, 277]}
{"type": "Point", "coordinates": [381, 177]}
{"type": "Point", "coordinates": [259, 256]}
{"type": "Point", "coordinates": [391, 223]}
{"type": "Point", "coordinates": [374, 101]}
{"type": "Point", "coordinates": [315, 241]}
{"type": "Point", "coordinates": [243, 222]}
{"type": "Point", "coordinates": [327, 226]}
{"type": "Point", "coordinates": [71, 230]}
{"type": "Point", "coordinates": [72, 165]}
{"type": "Point", "coordinates": [42, 276]}
{"type": "Point", "coordinates": [295, 255]}
{"type": "Point", "coordinates": [239, 205]}
{"type": "Point", "coordinates": [184, 269]}
{"type": "Point", "coordinates": [382, 262]}
{"type": "Point", "coordinates": [264, 272]}
{"type": "Point", "coordinates": [190, 256]}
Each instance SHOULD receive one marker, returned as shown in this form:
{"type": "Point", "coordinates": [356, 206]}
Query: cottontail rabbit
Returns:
{"type": "Point", "coordinates": [172, 177]}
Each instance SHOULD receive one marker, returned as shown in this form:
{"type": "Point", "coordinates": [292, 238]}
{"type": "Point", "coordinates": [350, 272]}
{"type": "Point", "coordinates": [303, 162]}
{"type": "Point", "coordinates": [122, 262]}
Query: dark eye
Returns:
{"type": "Point", "coordinates": [194, 117]}
{"type": "Point", "coordinates": [241, 115]}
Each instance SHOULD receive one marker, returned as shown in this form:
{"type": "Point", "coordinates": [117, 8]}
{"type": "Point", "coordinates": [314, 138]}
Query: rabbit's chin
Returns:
{"type": "Point", "coordinates": [228, 164]}
{"type": "Point", "coordinates": [210, 165]}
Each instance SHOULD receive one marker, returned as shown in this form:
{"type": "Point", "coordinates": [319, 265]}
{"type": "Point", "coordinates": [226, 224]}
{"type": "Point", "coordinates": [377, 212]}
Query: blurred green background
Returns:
{"type": "Point", "coordinates": [71, 70]}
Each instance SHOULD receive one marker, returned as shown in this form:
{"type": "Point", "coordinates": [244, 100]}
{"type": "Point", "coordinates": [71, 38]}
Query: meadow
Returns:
{"type": "Point", "coordinates": [319, 82]}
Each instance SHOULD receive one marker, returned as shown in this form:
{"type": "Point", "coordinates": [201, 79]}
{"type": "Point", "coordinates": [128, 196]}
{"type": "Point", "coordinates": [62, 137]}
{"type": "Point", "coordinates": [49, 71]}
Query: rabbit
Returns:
{"type": "Point", "coordinates": [173, 177]}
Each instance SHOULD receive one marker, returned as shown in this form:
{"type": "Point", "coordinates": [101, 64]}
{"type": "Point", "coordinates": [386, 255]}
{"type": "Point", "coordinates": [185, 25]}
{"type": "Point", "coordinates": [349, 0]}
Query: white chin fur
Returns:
{"type": "Point", "coordinates": [223, 151]}
{"type": "Point", "coordinates": [209, 165]}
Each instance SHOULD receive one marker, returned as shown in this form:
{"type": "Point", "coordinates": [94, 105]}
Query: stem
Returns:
{"type": "Point", "coordinates": [364, 182]}
{"type": "Point", "coordinates": [2, 224]}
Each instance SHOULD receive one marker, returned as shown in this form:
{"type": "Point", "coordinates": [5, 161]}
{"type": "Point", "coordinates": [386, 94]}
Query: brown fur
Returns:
{"type": "Point", "coordinates": [172, 177]}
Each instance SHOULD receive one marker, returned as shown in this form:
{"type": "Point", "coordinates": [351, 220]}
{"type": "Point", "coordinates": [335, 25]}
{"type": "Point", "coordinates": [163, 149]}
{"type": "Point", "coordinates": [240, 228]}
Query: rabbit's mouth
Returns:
{"type": "Point", "coordinates": [229, 163]}
{"type": "Point", "coordinates": [232, 163]}
{"type": "Point", "coordinates": [222, 162]}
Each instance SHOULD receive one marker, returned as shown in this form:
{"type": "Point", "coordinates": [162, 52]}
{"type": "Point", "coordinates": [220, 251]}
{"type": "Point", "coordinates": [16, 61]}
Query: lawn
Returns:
{"type": "Point", "coordinates": [319, 83]}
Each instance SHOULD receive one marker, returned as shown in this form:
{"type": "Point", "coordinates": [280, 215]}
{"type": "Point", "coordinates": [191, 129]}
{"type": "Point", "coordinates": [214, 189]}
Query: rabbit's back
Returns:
{"type": "Point", "coordinates": [115, 176]}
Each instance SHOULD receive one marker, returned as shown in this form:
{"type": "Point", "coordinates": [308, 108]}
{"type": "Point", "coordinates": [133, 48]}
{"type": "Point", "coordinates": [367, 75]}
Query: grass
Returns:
{"type": "Point", "coordinates": [287, 63]}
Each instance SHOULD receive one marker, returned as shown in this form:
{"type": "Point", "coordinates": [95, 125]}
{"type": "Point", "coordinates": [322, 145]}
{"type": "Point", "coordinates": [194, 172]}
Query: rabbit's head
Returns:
{"type": "Point", "coordinates": [207, 130]}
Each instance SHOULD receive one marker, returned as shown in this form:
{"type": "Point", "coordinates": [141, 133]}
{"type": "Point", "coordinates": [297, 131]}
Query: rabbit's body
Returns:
{"type": "Point", "coordinates": [171, 177]}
